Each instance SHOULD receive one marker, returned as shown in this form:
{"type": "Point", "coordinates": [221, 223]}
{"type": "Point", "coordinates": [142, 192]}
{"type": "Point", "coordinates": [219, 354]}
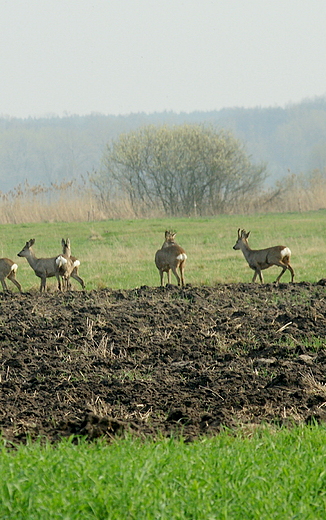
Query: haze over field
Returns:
{"type": "Point", "coordinates": [148, 56]}
{"type": "Point", "coordinates": [76, 75]}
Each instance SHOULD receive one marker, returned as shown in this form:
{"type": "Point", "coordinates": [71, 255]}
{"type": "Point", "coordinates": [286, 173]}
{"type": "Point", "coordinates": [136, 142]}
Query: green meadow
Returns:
{"type": "Point", "coordinates": [120, 254]}
{"type": "Point", "coordinates": [264, 474]}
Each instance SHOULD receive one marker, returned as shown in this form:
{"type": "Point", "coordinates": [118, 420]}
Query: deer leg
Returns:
{"type": "Point", "coordinates": [78, 278]}
{"type": "Point", "coordinates": [174, 269]}
{"type": "Point", "coordinates": [66, 285]}
{"type": "Point", "coordinates": [258, 273]}
{"type": "Point", "coordinates": [59, 282]}
{"type": "Point", "coordinates": [291, 271]}
{"type": "Point", "coordinates": [169, 276]}
{"type": "Point", "coordinates": [4, 285]}
{"type": "Point", "coordinates": [43, 283]}
{"type": "Point", "coordinates": [182, 269]}
{"type": "Point", "coordinates": [284, 268]}
{"type": "Point", "coordinates": [12, 278]}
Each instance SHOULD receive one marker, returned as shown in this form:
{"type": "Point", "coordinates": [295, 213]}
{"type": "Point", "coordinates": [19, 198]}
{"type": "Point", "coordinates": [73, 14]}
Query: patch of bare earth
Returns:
{"type": "Point", "coordinates": [161, 361]}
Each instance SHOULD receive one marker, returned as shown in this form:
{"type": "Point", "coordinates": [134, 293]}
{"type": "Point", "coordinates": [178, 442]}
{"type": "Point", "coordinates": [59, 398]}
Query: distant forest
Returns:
{"type": "Point", "coordinates": [58, 149]}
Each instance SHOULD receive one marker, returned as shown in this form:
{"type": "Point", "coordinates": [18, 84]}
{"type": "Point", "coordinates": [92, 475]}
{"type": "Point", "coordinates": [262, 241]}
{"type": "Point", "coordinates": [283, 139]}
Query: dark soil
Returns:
{"type": "Point", "coordinates": [162, 361]}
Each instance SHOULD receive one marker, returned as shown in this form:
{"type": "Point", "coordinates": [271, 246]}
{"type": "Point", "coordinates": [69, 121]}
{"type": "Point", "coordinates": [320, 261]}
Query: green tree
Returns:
{"type": "Point", "coordinates": [184, 169]}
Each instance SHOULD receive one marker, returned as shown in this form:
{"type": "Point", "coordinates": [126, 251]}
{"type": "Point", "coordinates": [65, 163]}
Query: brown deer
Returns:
{"type": "Point", "coordinates": [171, 257]}
{"type": "Point", "coordinates": [259, 259]}
{"type": "Point", "coordinates": [8, 270]}
{"type": "Point", "coordinates": [43, 267]}
{"type": "Point", "coordinates": [69, 269]}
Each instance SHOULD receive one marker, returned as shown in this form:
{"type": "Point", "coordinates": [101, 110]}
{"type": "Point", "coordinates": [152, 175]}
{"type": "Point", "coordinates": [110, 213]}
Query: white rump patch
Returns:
{"type": "Point", "coordinates": [76, 263]}
{"type": "Point", "coordinates": [182, 256]}
{"type": "Point", "coordinates": [14, 267]}
{"type": "Point", "coordinates": [60, 261]}
{"type": "Point", "coordinates": [285, 252]}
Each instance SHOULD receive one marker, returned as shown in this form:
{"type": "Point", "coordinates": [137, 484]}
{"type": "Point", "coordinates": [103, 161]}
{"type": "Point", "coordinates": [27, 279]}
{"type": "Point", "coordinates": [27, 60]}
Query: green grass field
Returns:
{"type": "Point", "coordinates": [268, 474]}
{"type": "Point", "coordinates": [120, 254]}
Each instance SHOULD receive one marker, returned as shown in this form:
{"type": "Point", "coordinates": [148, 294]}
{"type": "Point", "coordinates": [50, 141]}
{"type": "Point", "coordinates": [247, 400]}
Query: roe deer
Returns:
{"type": "Point", "coordinates": [43, 267]}
{"type": "Point", "coordinates": [259, 259]}
{"type": "Point", "coordinates": [8, 270]}
{"type": "Point", "coordinates": [171, 256]}
{"type": "Point", "coordinates": [69, 269]}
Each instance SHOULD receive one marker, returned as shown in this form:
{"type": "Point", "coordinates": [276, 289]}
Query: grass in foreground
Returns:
{"type": "Point", "coordinates": [279, 475]}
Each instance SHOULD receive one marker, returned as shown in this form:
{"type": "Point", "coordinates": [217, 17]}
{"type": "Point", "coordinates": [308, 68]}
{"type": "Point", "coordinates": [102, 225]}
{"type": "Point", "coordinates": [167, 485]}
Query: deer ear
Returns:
{"type": "Point", "coordinates": [31, 242]}
{"type": "Point", "coordinates": [247, 234]}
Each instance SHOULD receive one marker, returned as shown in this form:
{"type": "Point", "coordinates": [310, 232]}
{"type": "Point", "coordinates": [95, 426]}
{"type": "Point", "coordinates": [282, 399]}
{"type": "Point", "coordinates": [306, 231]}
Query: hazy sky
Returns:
{"type": "Point", "coordinates": [122, 56]}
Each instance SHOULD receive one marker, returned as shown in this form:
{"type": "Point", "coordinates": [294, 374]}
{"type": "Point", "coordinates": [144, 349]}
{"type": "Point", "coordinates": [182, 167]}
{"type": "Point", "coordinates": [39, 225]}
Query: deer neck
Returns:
{"type": "Point", "coordinates": [31, 258]}
{"type": "Point", "coordinates": [246, 249]}
{"type": "Point", "coordinates": [168, 244]}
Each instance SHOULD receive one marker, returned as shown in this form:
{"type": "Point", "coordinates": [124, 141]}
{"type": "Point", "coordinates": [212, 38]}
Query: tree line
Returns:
{"type": "Point", "coordinates": [57, 149]}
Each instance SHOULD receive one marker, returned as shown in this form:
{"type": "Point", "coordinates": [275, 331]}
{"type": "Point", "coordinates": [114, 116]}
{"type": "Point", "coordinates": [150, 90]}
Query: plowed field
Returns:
{"type": "Point", "coordinates": [161, 361]}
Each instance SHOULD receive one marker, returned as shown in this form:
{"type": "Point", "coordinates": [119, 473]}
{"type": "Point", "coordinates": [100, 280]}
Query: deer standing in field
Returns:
{"type": "Point", "coordinates": [8, 270]}
{"type": "Point", "coordinates": [171, 257]}
{"type": "Point", "coordinates": [69, 269]}
{"type": "Point", "coordinates": [259, 259]}
{"type": "Point", "coordinates": [43, 267]}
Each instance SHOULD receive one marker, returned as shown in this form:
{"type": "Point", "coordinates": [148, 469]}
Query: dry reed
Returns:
{"type": "Point", "coordinates": [74, 201]}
